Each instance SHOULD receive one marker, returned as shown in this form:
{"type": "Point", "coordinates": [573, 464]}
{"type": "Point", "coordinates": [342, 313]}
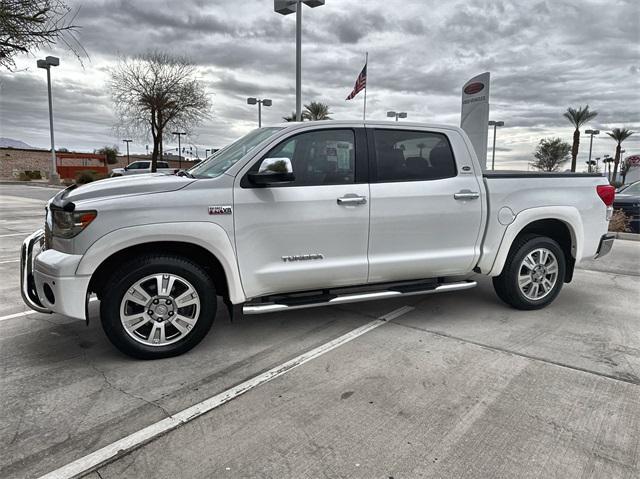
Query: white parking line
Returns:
{"type": "Point", "coordinates": [15, 315]}
{"type": "Point", "coordinates": [26, 313]}
{"type": "Point", "coordinates": [93, 461]}
{"type": "Point", "coordinates": [15, 234]}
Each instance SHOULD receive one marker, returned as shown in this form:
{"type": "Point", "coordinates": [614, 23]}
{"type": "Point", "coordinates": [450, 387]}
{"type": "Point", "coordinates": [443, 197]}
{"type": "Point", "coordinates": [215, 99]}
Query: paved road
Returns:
{"type": "Point", "coordinates": [459, 386]}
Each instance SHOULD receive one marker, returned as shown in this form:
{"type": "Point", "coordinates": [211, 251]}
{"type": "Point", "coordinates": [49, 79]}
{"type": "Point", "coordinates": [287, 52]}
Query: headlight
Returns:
{"type": "Point", "coordinates": [68, 224]}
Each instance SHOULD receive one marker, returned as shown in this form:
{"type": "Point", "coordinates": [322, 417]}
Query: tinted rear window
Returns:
{"type": "Point", "coordinates": [402, 155]}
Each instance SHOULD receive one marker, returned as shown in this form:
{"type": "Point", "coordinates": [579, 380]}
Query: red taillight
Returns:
{"type": "Point", "coordinates": [607, 193]}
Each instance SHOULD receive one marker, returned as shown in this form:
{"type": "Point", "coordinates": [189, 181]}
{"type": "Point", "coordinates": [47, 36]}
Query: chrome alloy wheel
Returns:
{"type": "Point", "coordinates": [159, 309]}
{"type": "Point", "coordinates": [538, 274]}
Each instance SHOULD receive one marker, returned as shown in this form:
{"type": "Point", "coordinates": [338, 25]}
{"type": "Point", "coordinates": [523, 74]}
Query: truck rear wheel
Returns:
{"type": "Point", "coordinates": [534, 273]}
{"type": "Point", "coordinates": [158, 306]}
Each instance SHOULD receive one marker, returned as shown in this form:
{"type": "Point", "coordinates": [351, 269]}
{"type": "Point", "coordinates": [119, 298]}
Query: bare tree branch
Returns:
{"type": "Point", "coordinates": [27, 25]}
{"type": "Point", "coordinates": [154, 92]}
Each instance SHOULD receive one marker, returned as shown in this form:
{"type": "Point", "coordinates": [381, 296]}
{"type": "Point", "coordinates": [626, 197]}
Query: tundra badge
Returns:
{"type": "Point", "coordinates": [220, 210]}
{"type": "Point", "coordinates": [302, 257]}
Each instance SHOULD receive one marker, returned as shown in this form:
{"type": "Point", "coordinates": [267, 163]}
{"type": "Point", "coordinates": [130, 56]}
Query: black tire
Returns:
{"type": "Point", "coordinates": [127, 276]}
{"type": "Point", "coordinates": [506, 285]}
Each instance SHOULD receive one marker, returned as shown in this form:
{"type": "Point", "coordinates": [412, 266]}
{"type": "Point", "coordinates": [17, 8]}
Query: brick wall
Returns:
{"type": "Point", "coordinates": [13, 161]}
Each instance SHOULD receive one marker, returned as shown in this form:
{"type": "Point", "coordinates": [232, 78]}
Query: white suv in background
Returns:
{"type": "Point", "coordinates": [144, 166]}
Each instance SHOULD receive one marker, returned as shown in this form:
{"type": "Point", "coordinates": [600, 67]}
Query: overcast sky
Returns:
{"type": "Point", "coordinates": [543, 57]}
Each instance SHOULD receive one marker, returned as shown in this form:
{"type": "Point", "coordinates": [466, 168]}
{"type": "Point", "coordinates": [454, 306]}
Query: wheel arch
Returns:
{"type": "Point", "coordinates": [206, 244]}
{"type": "Point", "coordinates": [562, 224]}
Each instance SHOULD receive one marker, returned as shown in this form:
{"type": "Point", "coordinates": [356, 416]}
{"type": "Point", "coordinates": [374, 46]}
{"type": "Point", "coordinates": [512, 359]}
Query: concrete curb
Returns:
{"type": "Point", "coordinates": [628, 236]}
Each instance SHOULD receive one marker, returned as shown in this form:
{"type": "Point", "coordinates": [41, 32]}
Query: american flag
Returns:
{"type": "Point", "coordinates": [361, 83]}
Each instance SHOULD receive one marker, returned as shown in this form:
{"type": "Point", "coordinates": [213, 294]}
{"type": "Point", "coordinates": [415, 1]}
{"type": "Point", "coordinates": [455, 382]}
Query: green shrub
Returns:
{"type": "Point", "coordinates": [23, 176]}
{"type": "Point", "coordinates": [86, 176]}
{"type": "Point", "coordinates": [34, 175]}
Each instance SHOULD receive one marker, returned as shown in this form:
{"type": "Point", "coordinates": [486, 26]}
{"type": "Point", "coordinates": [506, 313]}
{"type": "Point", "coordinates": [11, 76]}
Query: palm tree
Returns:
{"type": "Point", "coordinates": [291, 117]}
{"type": "Point", "coordinates": [618, 134]}
{"type": "Point", "coordinates": [316, 111]}
{"type": "Point", "coordinates": [578, 118]}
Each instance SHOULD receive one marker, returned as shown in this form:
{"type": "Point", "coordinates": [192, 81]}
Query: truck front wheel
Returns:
{"type": "Point", "coordinates": [534, 273]}
{"type": "Point", "coordinates": [158, 306]}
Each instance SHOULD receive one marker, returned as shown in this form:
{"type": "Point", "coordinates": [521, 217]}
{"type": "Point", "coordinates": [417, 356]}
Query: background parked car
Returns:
{"type": "Point", "coordinates": [628, 200]}
{"type": "Point", "coordinates": [138, 167]}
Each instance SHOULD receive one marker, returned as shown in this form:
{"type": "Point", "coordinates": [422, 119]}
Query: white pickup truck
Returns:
{"type": "Point", "coordinates": [303, 215]}
{"type": "Point", "coordinates": [142, 167]}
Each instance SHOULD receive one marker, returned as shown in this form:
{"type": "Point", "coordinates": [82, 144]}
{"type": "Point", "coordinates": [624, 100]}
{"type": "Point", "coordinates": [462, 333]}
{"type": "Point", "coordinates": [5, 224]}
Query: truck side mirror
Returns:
{"type": "Point", "coordinates": [273, 171]}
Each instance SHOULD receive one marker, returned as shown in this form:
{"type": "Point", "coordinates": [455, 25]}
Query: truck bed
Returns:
{"type": "Point", "coordinates": [538, 174]}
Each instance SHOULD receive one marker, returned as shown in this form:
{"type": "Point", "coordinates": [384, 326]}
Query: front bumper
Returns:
{"type": "Point", "coordinates": [47, 280]}
{"type": "Point", "coordinates": [606, 243]}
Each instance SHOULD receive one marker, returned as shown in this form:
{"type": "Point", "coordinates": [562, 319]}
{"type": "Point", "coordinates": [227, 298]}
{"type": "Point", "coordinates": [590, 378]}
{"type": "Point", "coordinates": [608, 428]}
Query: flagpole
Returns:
{"type": "Point", "coordinates": [366, 64]}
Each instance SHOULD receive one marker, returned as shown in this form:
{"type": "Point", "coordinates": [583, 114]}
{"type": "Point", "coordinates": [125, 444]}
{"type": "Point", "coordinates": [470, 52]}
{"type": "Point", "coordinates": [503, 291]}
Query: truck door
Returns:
{"type": "Point", "coordinates": [426, 208]}
{"type": "Point", "coordinates": [312, 232]}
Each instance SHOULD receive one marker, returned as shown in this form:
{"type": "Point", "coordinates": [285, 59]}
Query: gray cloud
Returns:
{"type": "Point", "coordinates": [543, 56]}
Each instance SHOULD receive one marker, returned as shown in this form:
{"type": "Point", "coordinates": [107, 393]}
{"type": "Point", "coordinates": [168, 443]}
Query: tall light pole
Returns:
{"type": "Point", "coordinates": [47, 63]}
{"type": "Point", "coordinates": [265, 102]}
{"type": "Point", "coordinates": [285, 7]}
{"type": "Point", "coordinates": [179, 147]}
{"type": "Point", "coordinates": [591, 132]}
{"type": "Point", "coordinates": [127, 142]}
{"type": "Point", "coordinates": [495, 125]}
{"type": "Point", "coordinates": [399, 114]}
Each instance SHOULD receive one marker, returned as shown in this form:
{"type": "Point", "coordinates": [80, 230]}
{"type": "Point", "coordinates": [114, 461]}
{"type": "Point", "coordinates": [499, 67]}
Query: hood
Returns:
{"type": "Point", "coordinates": [122, 186]}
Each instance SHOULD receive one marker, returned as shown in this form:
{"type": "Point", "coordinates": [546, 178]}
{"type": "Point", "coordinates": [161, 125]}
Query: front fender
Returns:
{"type": "Point", "coordinates": [209, 236]}
{"type": "Point", "coordinates": [567, 214]}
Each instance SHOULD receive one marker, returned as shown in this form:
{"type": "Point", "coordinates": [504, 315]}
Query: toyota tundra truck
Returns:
{"type": "Point", "coordinates": [303, 215]}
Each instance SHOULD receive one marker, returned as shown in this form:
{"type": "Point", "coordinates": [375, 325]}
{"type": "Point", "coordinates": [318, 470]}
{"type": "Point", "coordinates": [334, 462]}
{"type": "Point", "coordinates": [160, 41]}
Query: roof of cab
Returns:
{"type": "Point", "coordinates": [294, 125]}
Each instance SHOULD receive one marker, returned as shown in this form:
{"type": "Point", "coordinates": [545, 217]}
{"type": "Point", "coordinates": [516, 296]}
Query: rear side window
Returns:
{"type": "Point", "coordinates": [163, 164]}
{"type": "Point", "coordinates": [402, 155]}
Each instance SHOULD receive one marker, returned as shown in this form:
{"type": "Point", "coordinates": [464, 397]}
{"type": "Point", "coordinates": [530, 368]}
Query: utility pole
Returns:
{"type": "Point", "coordinates": [179, 147]}
{"type": "Point", "coordinates": [47, 63]}
{"type": "Point", "coordinates": [127, 142]}
{"type": "Point", "coordinates": [285, 7]}
{"type": "Point", "coordinates": [399, 114]}
{"type": "Point", "coordinates": [591, 132]}
{"type": "Point", "coordinates": [265, 102]}
{"type": "Point", "coordinates": [495, 125]}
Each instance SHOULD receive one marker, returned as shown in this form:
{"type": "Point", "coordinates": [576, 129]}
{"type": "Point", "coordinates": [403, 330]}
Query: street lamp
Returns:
{"type": "Point", "coordinates": [285, 7]}
{"type": "Point", "coordinates": [127, 142]}
{"type": "Point", "coordinates": [495, 125]}
{"type": "Point", "coordinates": [47, 63]}
{"type": "Point", "coordinates": [591, 132]}
{"type": "Point", "coordinates": [265, 102]}
{"type": "Point", "coordinates": [401, 114]}
{"type": "Point", "coordinates": [179, 147]}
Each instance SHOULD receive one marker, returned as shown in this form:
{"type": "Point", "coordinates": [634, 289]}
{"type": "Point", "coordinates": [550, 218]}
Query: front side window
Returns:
{"type": "Point", "coordinates": [412, 156]}
{"type": "Point", "coordinates": [163, 164]}
{"type": "Point", "coordinates": [322, 157]}
{"type": "Point", "coordinates": [224, 159]}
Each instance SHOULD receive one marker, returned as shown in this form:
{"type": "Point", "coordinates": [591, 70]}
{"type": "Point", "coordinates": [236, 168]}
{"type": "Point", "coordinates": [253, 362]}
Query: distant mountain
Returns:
{"type": "Point", "coordinates": [11, 143]}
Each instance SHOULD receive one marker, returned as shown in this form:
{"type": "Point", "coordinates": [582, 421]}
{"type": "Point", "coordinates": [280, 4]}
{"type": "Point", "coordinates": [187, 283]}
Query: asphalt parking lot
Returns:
{"type": "Point", "coordinates": [457, 385]}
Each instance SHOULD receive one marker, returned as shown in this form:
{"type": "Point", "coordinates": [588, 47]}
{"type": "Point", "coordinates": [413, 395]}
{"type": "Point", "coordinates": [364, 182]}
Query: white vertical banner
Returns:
{"type": "Point", "coordinates": [474, 117]}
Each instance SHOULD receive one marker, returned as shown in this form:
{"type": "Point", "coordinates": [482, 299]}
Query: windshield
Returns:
{"type": "Point", "coordinates": [633, 189]}
{"type": "Point", "coordinates": [224, 159]}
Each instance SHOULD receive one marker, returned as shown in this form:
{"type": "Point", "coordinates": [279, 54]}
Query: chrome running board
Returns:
{"type": "Point", "coordinates": [260, 308]}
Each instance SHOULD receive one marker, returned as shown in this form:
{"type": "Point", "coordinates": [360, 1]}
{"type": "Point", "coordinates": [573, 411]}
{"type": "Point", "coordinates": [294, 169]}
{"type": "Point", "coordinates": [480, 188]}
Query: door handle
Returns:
{"type": "Point", "coordinates": [352, 200]}
{"type": "Point", "coordinates": [466, 195]}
